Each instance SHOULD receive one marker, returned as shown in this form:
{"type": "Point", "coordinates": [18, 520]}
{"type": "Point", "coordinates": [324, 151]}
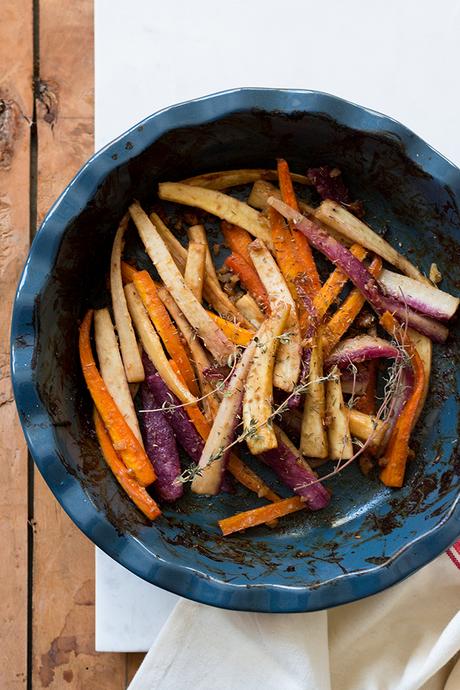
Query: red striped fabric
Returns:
{"type": "Point", "coordinates": [454, 554]}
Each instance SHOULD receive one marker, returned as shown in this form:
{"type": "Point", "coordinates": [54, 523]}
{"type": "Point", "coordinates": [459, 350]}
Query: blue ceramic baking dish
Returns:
{"type": "Point", "coordinates": [370, 537]}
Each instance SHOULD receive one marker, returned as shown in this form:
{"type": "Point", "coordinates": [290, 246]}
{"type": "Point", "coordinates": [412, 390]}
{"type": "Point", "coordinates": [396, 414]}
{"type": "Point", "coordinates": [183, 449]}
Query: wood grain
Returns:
{"type": "Point", "coordinates": [63, 569]}
{"type": "Point", "coordinates": [15, 116]}
{"type": "Point", "coordinates": [133, 661]}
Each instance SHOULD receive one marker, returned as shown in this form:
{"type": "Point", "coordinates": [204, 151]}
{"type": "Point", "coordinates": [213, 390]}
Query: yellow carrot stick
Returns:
{"type": "Point", "coordinates": [235, 333]}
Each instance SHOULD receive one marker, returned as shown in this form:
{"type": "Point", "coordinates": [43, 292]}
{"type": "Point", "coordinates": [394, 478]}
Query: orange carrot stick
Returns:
{"type": "Point", "coordinates": [237, 239]}
{"type": "Point", "coordinates": [249, 278]}
{"type": "Point", "coordinates": [397, 451]}
{"type": "Point", "coordinates": [257, 516]}
{"type": "Point", "coordinates": [366, 402]}
{"type": "Point", "coordinates": [127, 272]}
{"type": "Point", "coordinates": [242, 473]}
{"type": "Point", "coordinates": [334, 284]}
{"type": "Point", "coordinates": [250, 479]}
{"type": "Point", "coordinates": [291, 268]}
{"type": "Point", "coordinates": [137, 493]}
{"type": "Point", "coordinates": [165, 327]}
{"type": "Point", "coordinates": [303, 250]}
{"type": "Point", "coordinates": [197, 418]}
{"type": "Point", "coordinates": [237, 334]}
{"type": "Point", "coordinates": [284, 249]}
{"type": "Point", "coordinates": [123, 439]}
{"type": "Point", "coordinates": [347, 313]}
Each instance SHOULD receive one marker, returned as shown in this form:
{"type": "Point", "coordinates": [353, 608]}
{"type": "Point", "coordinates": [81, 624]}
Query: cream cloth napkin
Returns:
{"type": "Point", "coordinates": [406, 638]}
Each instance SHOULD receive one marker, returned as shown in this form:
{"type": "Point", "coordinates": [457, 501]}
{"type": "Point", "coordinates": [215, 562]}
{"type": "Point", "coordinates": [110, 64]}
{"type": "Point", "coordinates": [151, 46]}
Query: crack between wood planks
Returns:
{"type": "Point", "coordinates": [33, 183]}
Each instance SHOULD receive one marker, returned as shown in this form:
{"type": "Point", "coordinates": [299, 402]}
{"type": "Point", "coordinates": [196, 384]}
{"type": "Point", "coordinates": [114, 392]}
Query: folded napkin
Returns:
{"type": "Point", "coordinates": [406, 638]}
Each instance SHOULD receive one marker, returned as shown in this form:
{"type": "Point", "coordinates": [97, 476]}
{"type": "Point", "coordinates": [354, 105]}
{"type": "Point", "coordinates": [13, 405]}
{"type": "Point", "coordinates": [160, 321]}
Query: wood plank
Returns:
{"type": "Point", "coordinates": [63, 575]}
{"type": "Point", "coordinates": [133, 661]}
{"type": "Point", "coordinates": [15, 115]}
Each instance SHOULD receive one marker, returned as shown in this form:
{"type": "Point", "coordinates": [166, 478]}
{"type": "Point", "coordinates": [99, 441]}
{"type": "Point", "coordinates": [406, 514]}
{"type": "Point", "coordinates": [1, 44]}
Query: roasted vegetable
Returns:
{"type": "Point", "coordinates": [221, 205]}
{"type": "Point", "coordinates": [195, 268]}
{"type": "Point", "coordinates": [152, 345]}
{"type": "Point", "coordinates": [287, 366]}
{"type": "Point", "coordinates": [313, 439]}
{"type": "Point", "coordinates": [294, 471]}
{"type": "Point", "coordinates": [212, 461]}
{"type": "Point", "coordinates": [206, 328]}
{"type": "Point", "coordinates": [123, 439]}
{"type": "Point", "coordinates": [345, 223]}
{"type": "Point", "coordinates": [233, 178]}
{"type": "Point", "coordinates": [185, 433]}
{"type": "Point", "coordinates": [257, 516]}
{"type": "Point", "coordinates": [112, 370]}
{"type": "Point", "coordinates": [212, 292]}
{"type": "Point", "coordinates": [158, 314]}
{"type": "Point", "coordinates": [338, 429]}
{"type": "Point", "coordinates": [360, 276]}
{"type": "Point", "coordinates": [397, 451]}
{"type": "Point", "coordinates": [128, 344]}
{"type": "Point", "coordinates": [134, 490]}
{"type": "Point", "coordinates": [248, 307]}
{"type": "Point", "coordinates": [258, 390]}
{"type": "Point", "coordinates": [249, 279]}
{"type": "Point", "coordinates": [160, 445]}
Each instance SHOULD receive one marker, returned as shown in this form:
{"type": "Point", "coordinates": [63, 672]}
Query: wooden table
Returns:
{"type": "Point", "coordinates": [47, 565]}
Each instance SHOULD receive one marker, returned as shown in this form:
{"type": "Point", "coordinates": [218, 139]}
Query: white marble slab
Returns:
{"type": "Point", "coordinates": [400, 58]}
{"type": "Point", "coordinates": [129, 611]}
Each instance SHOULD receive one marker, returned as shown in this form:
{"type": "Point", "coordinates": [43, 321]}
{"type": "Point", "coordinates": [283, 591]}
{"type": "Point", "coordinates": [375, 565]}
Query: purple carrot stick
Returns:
{"type": "Point", "coordinates": [360, 349]}
{"type": "Point", "coordinates": [186, 434]}
{"type": "Point", "coordinates": [295, 473]}
{"type": "Point", "coordinates": [184, 431]}
{"type": "Point", "coordinates": [160, 446]}
{"type": "Point", "coordinates": [329, 183]}
{"type": "Point", "coordinates": [359, 275]}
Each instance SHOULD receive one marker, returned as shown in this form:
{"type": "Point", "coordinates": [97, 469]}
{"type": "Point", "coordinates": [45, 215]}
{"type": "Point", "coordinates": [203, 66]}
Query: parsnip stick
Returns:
{"type": "Point", "coordinates": [232, 178]}
{"type": "Point", "coordinates": [212, 291]}
{"type": "Point", "coordinates": [197, 233]}
{"type": "Point", "coordinates": [176, 249]}
{"type": "Point", "coordinates": [153, 347]}
{"type": "Point", "coordinates": [258, 390]}
{"type": "Point", "coordinates": [216, 342]}
{"type": "Point", "coordinates": [220, 205]}
{"type": "Point", "coordinates": [262, 190]}
{"type": "Point", "coordinates": [287, 366]}
{"type": "Point", "coordinates": [338, 429]}
{"type": "Point", "coordinates": [194, 268]}
{"type": "Point", "coordinates": [200, 358]}
{"type": "Point", "coordinates": [313, 436]}
{"type": "Point", "coordinates": [361, 425]}
{"type": "Point", "coordinates": [335, 216]}
{"type": "Point", "coordinates": [112, 370]}
{"type": "Point", "coordinates": [222, 432]}
{"type": "Point", "coordinates": [128, 345]}
{"type": "Point", "coordinates": [248, 307]}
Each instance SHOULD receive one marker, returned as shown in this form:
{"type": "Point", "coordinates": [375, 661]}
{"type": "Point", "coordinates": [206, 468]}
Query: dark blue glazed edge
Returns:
{"type": "Point", "coordinates": [37, 425]}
